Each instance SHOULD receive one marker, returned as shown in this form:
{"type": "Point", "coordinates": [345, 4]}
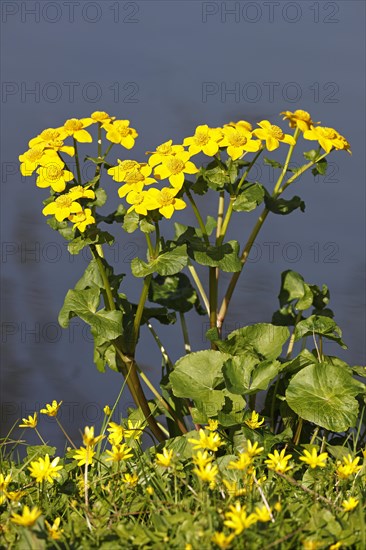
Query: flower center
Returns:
{"type": "Point", "coordinates": [166, 198]}
{"type": "Point", "coordinates": [236, 139]}
{"type": "Point", "coordinates": [302, 115]}
{"type": "Point", "coordinates": [134, 177]}
{"type": "Point", "coordinates": [122, 128]}
{"type": "Point", "coordinates": [276, 132]}
{"type": "Point", "coordinates": [54, 173]}
{"type": "Point", "coordinates": [328, 133]}
{"type": "Point", "coordinates": [49, 134]}
{"type": "Point", "coordinates": [99, 116]}
{"type": "Point", "coordinates": [73, 125]}
{"type": "Point", "coordinates": [164, 148]}
{"type": "Point", "coordinates": [128, 165]}
{"type": "Point", "coordinates": [202, 138]}
{"type": "Point", "coordinates": [64, 201]}
{"type": "Point", "coordinates": [35, 154]}
{"type": "Point", "coordinates": [175, 165]}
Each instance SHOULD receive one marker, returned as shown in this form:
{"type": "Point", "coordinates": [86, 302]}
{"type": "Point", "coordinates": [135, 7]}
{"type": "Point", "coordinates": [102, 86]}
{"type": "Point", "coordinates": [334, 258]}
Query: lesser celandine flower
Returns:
{"type": "Point", "coordinates": [4, 482]}
{"type": "Point", "coordinates": [238, 520]}
{"type": "Point", "coordinates": [233, 488]}
{"type": "Point", "coordinates": [130, 480]}
{"type": "Point", "coordinates": [201, 459]}
{"type": "Point", "coordinates": [119, 452]}
{"type": "Point", "coordinates": [327, 138]}
{"type": "Point", "coordinates": [89, 439]}
{"type": "Point", "coordinates": [311, 544]}
{"type": "Point", "coordinates": [211, 441]}
{"type": "Point", "coordinates": [222, 541]}
{"type": "Point", "coordinates": [239, 141]}
{"type": "Point", "coordinates": [54, 175]}
{"type": "Point", "coordinates": [62, 207]}
{"type": "Point", "coordinates": [28, 517]}
{"type": "Point", "coordinates": [134, 430]}
{"type": "Point", "coordinates": [54, 530]}
{"type": "Point", "coordinates": [349, 467]}
{"type": "Point", "coordinates": [335, 546]}
{"type": "Point", "coordinates": [30, 422]}
{"type": "Point", "coordinates": [313, 459]}
{"type": "Point", "coordinates": [244, 460]}
{"type": "Point", "coordinates": [116, 433]}
{"type": "Point", "coordinates": [212, 425]}
{"type": "Point", "coordinates": [75, 127]}
{"type": "Point", "coordinates": [84, 455]}
{"type": "Point", "coordinates": [174, 167]}
{"type": "Point", "coordinates": [278, 461]}
{"type": "Point", "coordinates": [253, 422]}
{"type": "Point", "coordinates": [207, 473]}
{"type": "Point", "coordinates": [82, 219]}
{"type": "Point", "coordinates": [165, 458]}
{"type": "Point", "coordinates": [272, 135]}
{"type": "Point", "coordinates": [163, 151]}
{"type": "Point", "coordinates": [120, 132]}
{"type": "Point", "coordinates": [262, 513]}
{"type": "Point", "coordinates": [107, 410]}
{"type": "Point", "coordinates": [163, 200]}
{"type": "Point", "coordinates": [45, 470]}
{"type": "Point", "coordinates": [298, 119]}
{"type": "Point", "coordinates": [253, 449]}
{"type": "Point", "coordinates": [205, 140]}
{"type": "Point", "coordinates": [51, 410]}
{"type": "Point", "coordinates": [350, 504]}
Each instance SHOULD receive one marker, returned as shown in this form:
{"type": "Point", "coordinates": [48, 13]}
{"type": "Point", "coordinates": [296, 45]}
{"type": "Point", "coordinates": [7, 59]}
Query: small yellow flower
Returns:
{"type": "Point", "coordinates": [233, 488]}
{"type": "Point", "coordinates": [272, 135]}
{"type": "Point", "coordinates": [238, 520]}
{"type": "Point", "coordinates": [202, 459]}
{"type": "Point", "coordinates": [310, 544]}
{"type": "Point", "coordinates": [163, 151]}
{"type": "Point", "coordinates": [28, 517]}
{"type": "Point", "coordinates": [84, 455]}
{"type": "Point", "coordinates": [44, 470]}
{"type": "Point", "coordinates": [82, 219]}
{"type": "Point", "coordinates": [107, 410]}
{"type": "Point", "coordinates": [150, 490]}
{"type": "Point", "coordinates": [116, 433]}
{"type": "Point", "coordinates": [163, 200]}
{"type": "Point", "coordinates": [212, 425]}
{"type": "Point", "coordinates": [244, 460]}
{"type": "Point", "coordinates": [54, 175]}
{"type": "Point", "coordinates": [349, 467]}
{"type": "Point", "coordinates": [80, 192]}
{"type": "Point", "coordinates": [120, 132]}
{"type": "Point", "coordinates": [62, 207]}
{"type": "Point", "coordinates": [298, 119]}
{"type": "Point", "coordinates": [51, 410]}
{"type": "Point", "coordinates": [253, 422]}
{"type": "Point", "coordinates": [31, 159]}
{"type": "Point", "coordinates": [31, 422]}
{"type": "Point", "coordinates": [130, 480]}
{"type": "Point", "coordinates": [134, 430]}
{"type": "Point", "coordinates": [278, 506]}
{"type": "Point", "coordinates": [278, 461]}
{"type": "Point", "coordinates": [207, 473]}
{"type": "Point", "coordinates": [335, 546]}
{"type": "Point", "coordinates": [205, 139]}
{"type": "Point", "coordinates": [222, 541]}
{"type": "Point", "coordinates": [262, 513]}
{"type": "Point", "coordinates": [327, 138]}
{"type": "Point", "coordinates": [165, 458]}
{"type": "Point", "coordinates": [75, 127]}
{"type": "Point", "coordinates": [119, 172]}
{"type": "Point", "coordinates": [313, 460]}
{"type": "Point", "coordinates": [174, 167]}
{"type": "Point", "coordinates": [54, 530]}
{"type": "Point", "coordinates": [239, 141]}
{"type": "Point", "coordinates": [253, 449]}
{"type": "Point", "coordinates": [241, 124]}
{"type": "Point", "coordinates": [137, 199]}
{"type": "Point", "coordinates": [101, 116]}
{"type": "Point", "coordinates": [4, 482]}
{"type": "Point", "coordinates": [119, 452]}
{"type": "Point", "coordinates": [212, 441]}
{"type": "Point", "coordinates": [50, 139]}
{"type": "Point", "coordinates": [15, 496]}
{"type": "Point", "coordinates": [350, 504]}
{"type": "Point", "coordinates": [136, 179]}
{"type": "Point", "coordinates": [89, 439]}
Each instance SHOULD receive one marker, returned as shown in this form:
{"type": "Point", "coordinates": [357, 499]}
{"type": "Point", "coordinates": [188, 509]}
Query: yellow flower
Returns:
{"type": "Point", "coordinates": [202, 459]}
{"type": "Point", "coordinates": [51, 410]}
{"type": "Point", "coordinates": [238, 520]}
{"type": "Point", "coordinates": [310, 544]}
{"type": "Point", "coordinates": [327, 138]}
{"type": "Point", "coordinates": [212, 441]}
{"type": "Point", "coordinates": [222, 541]}
{"type": "Point", "coordinates": [51, 139]}
{"type": "Point", "coordinates": [123, 167]}
{"type": "Point", "coordinates": [136, 180]}
{"type": "Point", "coordinates": [165, 458]}
{"type": "Point", "coordinates": [253, 422]}
{"type": "Point", "coordinates": [15, 496]}
{"type": "Point", "coordinates": [253, 449]}
{"type": "Point", "coordinates": [134, 430]}
{"type": "Point", "coordinates": [107, 410]}
{"type": "Point", "coordinates": [101, 116]}
{"type": "Point", "coordinates": [278, 461]}
{"type": "Point", "coordinates": [4, 482]}
{"type": "Point", "coordinates": [205, 139]}
{"type": "Point", "coordinates": [54, 175]}
{"type": "Point", "coordinates": [120, 132]}
{"type": "Point", "coordinates": [278, 506]}
{"type": "Point", "coordinates": [348, 468]}
{"type": "Point", "coordinates": [335, 546]}
{"type": "Point", "coordinates": [262, 513]}
{"type": "Point", "coordinates": [212, 425]}
{"type": "Point", "coordinates": [174, 167]}
{"type": "Point", "coordinates": [31, 159]}
{"type": "Point", "coordinates": [84, 455]}
{"type": "Point", "coordinates": [233, 488]}
{"type": "Point", "coordinates": [243, 461]}
{"type": "Point", "coordinates": [163, 151]}
{"type": "Point", "coordinates": [298, 119]}
{"type": "Point", "coordinates": [137, 199]}
{"type": "Point", "coordinates": [80, 192]}
{"type": "Point", "coordinates": [272, 135]}
{"type": "Point", "coordinates": [31, 422]}
{"type": "Point", "coordinates": [241, 124]}
{"type": "Point", "coordinates": [119, 452]}
{"type": "Point", "coordinates": [82, 219]}
{"type": "Point", "coordinates": [350, 504]}
{"type": "Point", "coordinates": [239, 141]}
{"type": "Point", "coordinates": [150, 490]}
{"type": "Point", "coordinates": [116, 433]}
{"type": "Point", "coordinates": [43, 469]}
{"type": "Point", "coordinates": [130, 480]}
{"type": "Point", "coordinates": [313, 460]}
{"type": "Point", "coordinates": [54, 530]}
{"type": "Point", "coordinates": [207, 473]}
{"type": "Point", "coordinates": [28, 517]}
{"type": "Point", "coordinates": [164, 200]}
{"type": "Point", "coordinates": [89, 439]}
{"type": "Point", "coordinates": [62, 207]}
{"type": "Point", "coordinates": [75, 127]}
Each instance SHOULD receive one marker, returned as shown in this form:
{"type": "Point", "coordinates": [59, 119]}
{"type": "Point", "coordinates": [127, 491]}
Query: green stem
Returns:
{"type": "Point", "coordinates": [77, 161]}
{"type": "Point", "coordinates": [157, 240]}
{"type": "Point", "coordinates": [187, 345]}
{"type": "Point", "coordinates": [64, 432]}
{"type": "Point", "coordinates": [150, 246]}
{"type": "Point", "coordinates": [199, 285]}
{"type": "Point", "coordinates": [198, 216]}
{"type": "Point", "coordinates": [108, 149]}
{"type": "Point", "coordinates": [163, 351]}
{"type": "Point", "coordinates": [40, 437]}
{"type": "Point", "coordinates": [301, 171]}
{"type": "Point", "coordinates": [213, 297]}
{"type": "Point", "coordinates": [298, 431]}
{"type": "Point", "coordinates": [220, 214]}
{"type": "Point", "coordinates": [107, 288]}
{"type": "Point", "coordinates": [140, 310]}
{"type": "Point", "coordinates": [314, 436]}
{"type": "Point", "coordinates": [287, 162]}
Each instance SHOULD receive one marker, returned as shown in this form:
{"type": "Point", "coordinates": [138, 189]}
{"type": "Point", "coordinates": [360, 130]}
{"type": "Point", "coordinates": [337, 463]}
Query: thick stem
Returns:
{"type": "Point", "coordinates": [213, 297]}
{"type": "Point", "coordinates": [187, 345]}
{"type": "Point", "coordinates": [199, 285]}
{"type": "Point", "coordinates": [77, 161]}
{"type": "Point", "coordinates": [198, 216]}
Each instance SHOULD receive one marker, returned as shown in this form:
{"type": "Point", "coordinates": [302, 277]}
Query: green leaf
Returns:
{"type": "Point", "coordinates": [174, 292]}
{"type": "Point", "coordinates": [283, 206]}
{"type": "Point", "coordinates": [320, 168]}
{"type": "Point", "coordinates": [312, 155]}
{"type": "Point", "coordinates": [225, 256]}
{"type": "Point", "coordinates": [93, 236]}
{"type": "Point", "coordinates": [325, 395]}
{"type": "Point", "coordinates": [293, 288]}
{"type": "Point", "coordinates": [251, 197]}
{"type": "Point", "coordinates": [146, 226]}
{"type": "Point", "coordinates": [168, 263]}
{"type": "Point", "coordinates": [245, 375]}
{"type": "Point", "coordinates": [100, 197]}
{"type": "Point", "coordinates": [131, 222]}
{"type": "Point", "coordinates": [318, 324]}
{"type": "Point", "coordinates": [272, 163]}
